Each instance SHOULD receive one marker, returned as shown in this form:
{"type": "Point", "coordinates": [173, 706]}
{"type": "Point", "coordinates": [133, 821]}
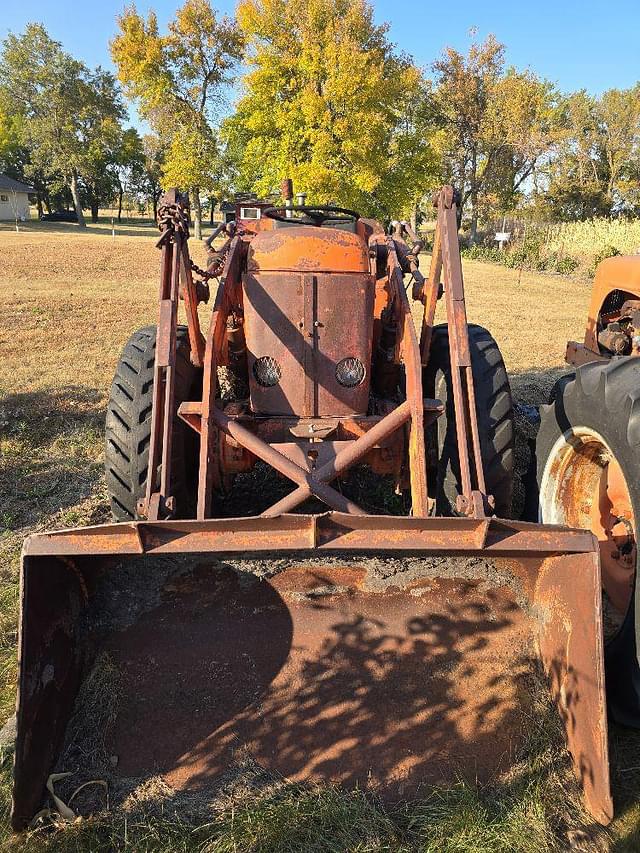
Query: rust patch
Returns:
{"type": "Point", "coordinates": [384, 691]}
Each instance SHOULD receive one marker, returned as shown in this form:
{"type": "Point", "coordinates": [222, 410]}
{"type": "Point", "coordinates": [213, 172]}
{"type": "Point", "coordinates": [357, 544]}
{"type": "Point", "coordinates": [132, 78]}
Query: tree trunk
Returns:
{"type": "Point", "coordinates": [197, 214]}
{"type": "Point", "coordinates": [154, 199]}
{"type": "Point", "coordinates": [473, 234]}
{"type": "Point", "coordinates": [39, 203]}
{"type": "Point", "coordinates": [474, 198]}
{"type": "Point", "coordinates": [94, 209]}
{"type": "Point", "coordinates": [413, 219]}
{"type": "Point", "coordinates": [75, 193]}
{"type": "Point", "coordinates": [120, 195]}
{"type": "Point", "coordinates": [212, 204]}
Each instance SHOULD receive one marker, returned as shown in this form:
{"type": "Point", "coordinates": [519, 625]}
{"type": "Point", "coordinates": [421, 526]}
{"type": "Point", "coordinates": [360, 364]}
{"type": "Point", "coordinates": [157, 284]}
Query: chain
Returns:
{"type": "Point", "coordinates": [172, 218]}
{"type": "Point", "coordinates": [206, 274]}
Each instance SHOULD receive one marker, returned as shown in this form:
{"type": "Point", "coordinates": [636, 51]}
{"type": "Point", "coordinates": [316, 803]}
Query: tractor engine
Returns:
{"type": "Point", "coordinates": [308, 312]}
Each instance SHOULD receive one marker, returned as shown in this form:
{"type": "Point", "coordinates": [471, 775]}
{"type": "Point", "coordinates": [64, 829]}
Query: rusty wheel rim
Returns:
{"type": "Point", "coordinates": [583, 486]}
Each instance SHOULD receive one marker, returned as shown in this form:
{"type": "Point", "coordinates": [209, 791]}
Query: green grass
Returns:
{"type": "Point", "coordinates": [459, 819]}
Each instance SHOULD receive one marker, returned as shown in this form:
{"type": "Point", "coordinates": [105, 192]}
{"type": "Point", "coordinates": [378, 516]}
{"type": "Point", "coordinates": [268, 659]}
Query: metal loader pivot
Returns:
{"type": "Point", "coordinates": [376, 650]}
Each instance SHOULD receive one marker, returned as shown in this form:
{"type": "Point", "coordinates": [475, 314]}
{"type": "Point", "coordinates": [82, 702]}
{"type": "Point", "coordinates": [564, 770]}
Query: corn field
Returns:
{"type": "Point", "coordinates": [565, 248]}
{"type": "Point", "coordinates": [588, 239]}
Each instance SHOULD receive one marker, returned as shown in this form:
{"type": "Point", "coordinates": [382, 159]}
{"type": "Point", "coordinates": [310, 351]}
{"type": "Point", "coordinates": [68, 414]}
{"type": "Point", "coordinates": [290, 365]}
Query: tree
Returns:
{"type": "Point", "coordinates": [128, 165]}
{"type": "Point", "coordinates": [330, 103]}
{"type": "Point", "coordinates": [465, 85]}
{"type": "Point", "coordinates": [178, 81]}
{"type": "Point", "coordinates": [13, 154]}
{"type": "Point", "coordinates": [573, 184]}
{"type": "Point", "coordinates": [70, 115]}
{"type": "Point", "coordinates": [151, 178]}
{"type": "Point", "coordinates": [595, 172]}
{"type": "Point", "coordinates": [522, 126]}
{"type": "Point", "coordinates": [499, 124]}
{"type": "Point", "coordinates": [102, 133]}
{"type": "Point", "coordinates": [618, 120]}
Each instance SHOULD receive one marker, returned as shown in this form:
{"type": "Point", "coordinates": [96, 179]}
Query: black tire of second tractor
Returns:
{"type": "Point", "coordinates": [494, 407]}
{"type": "Point", "coordinates": [605, 398]}
{"type": "Point", "coordinates": [128, 426]}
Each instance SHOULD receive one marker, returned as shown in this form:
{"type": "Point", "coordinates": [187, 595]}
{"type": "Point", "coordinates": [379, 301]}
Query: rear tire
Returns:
{"type": "Point", "coordinates": [597, 412]}
{"type": "Point", "coordinates": [494, 408]}
{"type": "Point", "coordinates": [128, 426]}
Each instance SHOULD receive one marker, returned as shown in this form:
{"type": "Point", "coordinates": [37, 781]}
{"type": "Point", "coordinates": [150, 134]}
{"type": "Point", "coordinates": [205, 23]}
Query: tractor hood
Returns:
{"type": "Point", "coordinates": [307, 248]}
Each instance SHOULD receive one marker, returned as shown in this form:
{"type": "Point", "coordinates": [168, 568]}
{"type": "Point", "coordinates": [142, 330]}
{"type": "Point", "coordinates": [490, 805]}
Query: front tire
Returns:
{"type": "Point", "coordinates": [588, 459]}
{"type": "Point", "coordinates": [494, 408]}
{"type": "Point", "coordinates": [128, 426]}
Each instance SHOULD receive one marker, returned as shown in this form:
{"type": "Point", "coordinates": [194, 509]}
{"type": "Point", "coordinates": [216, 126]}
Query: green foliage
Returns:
{"type": "Point", "coordinates": [499, 124]}
{"type": "Point", "coordinates": [177, 80]}
{"type": "Point", "coordinates": [69, 116]}
{"type": "Point", "coordinates": [595, 168]}
{"type": "Point", "coordinates": [330, 103]}
{"type": "Point", "coordinates": [533, 254]}
{"type": "Point", "coordinates": [606, 252]}
{"type": "Point", "coordinates": [601, 255]}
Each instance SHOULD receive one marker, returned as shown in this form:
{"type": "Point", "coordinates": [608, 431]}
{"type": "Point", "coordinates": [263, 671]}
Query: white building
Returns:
{"type": "Point", "coordinates": [14, 199]}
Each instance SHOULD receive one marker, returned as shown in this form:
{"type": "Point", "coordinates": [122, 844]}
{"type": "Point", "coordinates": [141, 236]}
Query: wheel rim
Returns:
{"type": "Point", "coordinates": [583, 486]}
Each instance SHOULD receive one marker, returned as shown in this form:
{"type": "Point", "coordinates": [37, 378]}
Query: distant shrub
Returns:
{"type": "Point", "coordinates": [601, 255]}
{"type": "Point", "coordinates": [482, 253]}
{"type": "Point", "coordinates": [567, 265]}
{"type": "Point", "coordinates": [533, 254]}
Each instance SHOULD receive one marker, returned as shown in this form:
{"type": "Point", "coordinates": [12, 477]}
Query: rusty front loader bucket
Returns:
{"type": "Point", "coordinates": [373, 651]}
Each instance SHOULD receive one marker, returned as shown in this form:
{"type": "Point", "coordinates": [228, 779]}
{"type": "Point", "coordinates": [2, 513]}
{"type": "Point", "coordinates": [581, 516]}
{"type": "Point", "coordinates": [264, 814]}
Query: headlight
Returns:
{"type": "Point", "coordinates": [350, 372]}
{"type": "Point", "coordinates": [267, 371]}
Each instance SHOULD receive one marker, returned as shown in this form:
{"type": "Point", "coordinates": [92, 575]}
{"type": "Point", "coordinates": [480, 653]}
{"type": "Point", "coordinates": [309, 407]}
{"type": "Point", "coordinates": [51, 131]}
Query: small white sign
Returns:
{"type": "Point", "coordinates": [503, 236]}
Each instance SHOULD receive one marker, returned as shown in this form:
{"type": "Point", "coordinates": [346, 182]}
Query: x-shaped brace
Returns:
{"type": "Point", "coordinates": [316, 483]}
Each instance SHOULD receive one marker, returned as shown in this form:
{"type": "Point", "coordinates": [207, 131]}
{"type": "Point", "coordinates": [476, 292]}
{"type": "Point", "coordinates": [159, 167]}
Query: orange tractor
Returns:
{"type": "Point", "coordinates": [294, 618]}
{"type": "Point", "coordinates": [588, 456]}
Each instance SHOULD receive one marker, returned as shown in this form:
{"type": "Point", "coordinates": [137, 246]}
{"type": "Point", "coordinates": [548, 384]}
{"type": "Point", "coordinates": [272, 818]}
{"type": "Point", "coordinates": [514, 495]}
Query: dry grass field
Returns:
{"type": "Point", "coordinates": [68, 301]}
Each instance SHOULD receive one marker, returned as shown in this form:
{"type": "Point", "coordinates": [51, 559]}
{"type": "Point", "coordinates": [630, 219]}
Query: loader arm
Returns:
{"type": "Point", "coordinates": [473, 500]}
{"type": "Point", "coordinates": [175, 270]}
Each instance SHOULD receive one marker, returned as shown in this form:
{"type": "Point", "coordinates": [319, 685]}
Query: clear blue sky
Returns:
{"type": "Point", "coordinates": [591, 44]}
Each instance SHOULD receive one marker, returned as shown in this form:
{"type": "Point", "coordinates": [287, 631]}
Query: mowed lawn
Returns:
{"type": "Point", "coordinates": [68, 302]}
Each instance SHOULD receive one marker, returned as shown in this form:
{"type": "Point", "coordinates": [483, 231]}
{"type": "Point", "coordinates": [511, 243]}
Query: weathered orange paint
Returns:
{"type": "Point", "coordinates": [306, 248]}
{"type": "Point", "coordinates": [619, 273]}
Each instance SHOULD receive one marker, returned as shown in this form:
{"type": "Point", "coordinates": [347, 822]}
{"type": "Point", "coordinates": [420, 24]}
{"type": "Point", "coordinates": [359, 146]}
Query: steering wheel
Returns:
{"type": "Point", "coordinates": [311, 215]}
